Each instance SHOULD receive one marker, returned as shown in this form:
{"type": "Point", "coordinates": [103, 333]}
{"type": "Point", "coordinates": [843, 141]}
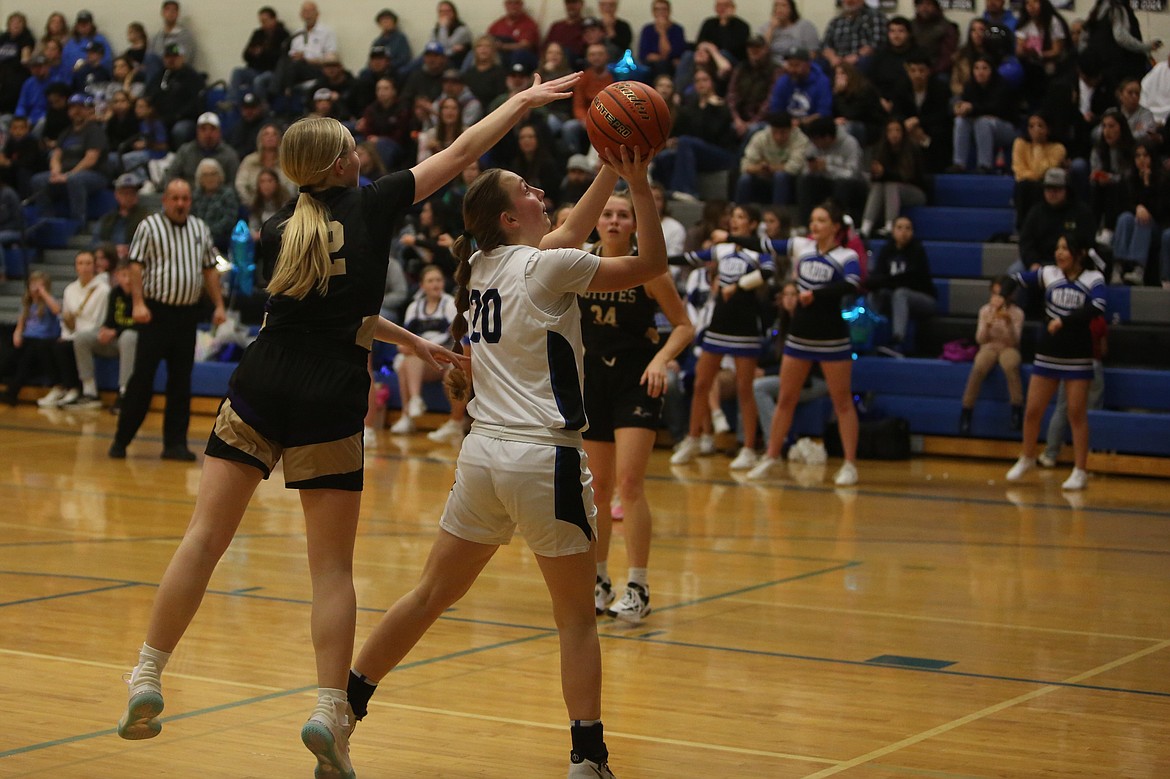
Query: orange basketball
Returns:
{"type": "Point", "coordinates": [628, 113]}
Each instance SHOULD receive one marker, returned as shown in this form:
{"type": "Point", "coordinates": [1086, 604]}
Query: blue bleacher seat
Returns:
{"type": "Point", "coordinates": [15, 261]}
{"type": "Point", "coordinates": [958, 259]}
{"type": "Point", "coordinates": [1129, 432]}
{"type": "Point", "coordinates": [100, 204]}
{"type": "Point", "coordinates": [973, 191]}
{"type": "Point", "coordinates": [941, 223]}
{"type": "Point", "coordinates": [928, 394]}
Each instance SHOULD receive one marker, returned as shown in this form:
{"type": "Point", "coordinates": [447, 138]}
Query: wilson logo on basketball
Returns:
{"type": "Point", "coordinates": [636, 101]}
{"type": "Point", "coordinates": [610, 119]}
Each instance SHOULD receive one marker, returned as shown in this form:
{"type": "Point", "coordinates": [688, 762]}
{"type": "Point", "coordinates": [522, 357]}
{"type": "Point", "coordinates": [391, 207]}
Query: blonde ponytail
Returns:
{"type": "Point", "coordinates": [307, 152]}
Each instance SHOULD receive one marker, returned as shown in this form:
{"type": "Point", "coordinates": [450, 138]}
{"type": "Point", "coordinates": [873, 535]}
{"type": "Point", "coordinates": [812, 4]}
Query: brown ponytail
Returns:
{"type": "Point", "coordinates": [486, 199]}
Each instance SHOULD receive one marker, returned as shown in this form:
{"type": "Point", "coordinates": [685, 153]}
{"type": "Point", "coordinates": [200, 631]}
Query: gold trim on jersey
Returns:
{"type": "Point", "coordinates": [238, 434]}
{"type": "Point", "coordinates": [302, 463]}
{"type": "Point", "coordinates": [365, 333]}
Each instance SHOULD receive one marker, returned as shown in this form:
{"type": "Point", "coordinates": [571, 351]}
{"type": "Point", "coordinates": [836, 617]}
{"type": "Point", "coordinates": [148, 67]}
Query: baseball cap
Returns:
{"type": "Point", "coordinates": [580, 162]}
{"type": "Point", "coordinates": [757, 40]}
{"type": "Point", "coordinates": [95, 46]}
{"type": "Point", "coordinates": [80, 99]}
{"type": "Point", "coordinates": [452, 74]}
{"type": "Point", "coordinates": [378, 51]}
{"type": "Point", "coordinates": [173, 50]}
{"type": "Point", "coordinates": [590, 21]}
{"type": "Point", "coordinates": [249, 100]}
{"type": "Point", "coordinates": [330, 58]}
{"type": "Point", "coordinates": [84, 16]}
{"type": "Point", "coordinates": [1055, 177]}
{"type": "Point", "coordinates": [434, 47]}
{"type": "Point", "coordinates": [798, 53]}
{"type": "Point", "coordinates": [207, 117]}
{"type": "Point", "coordinates": [127, 181]}
{"type": "Point", "coordinates": [322, 94]}
{"type": "Point", "coordinates": [520, 69]}
{"type": "Point", "coordinates": [39, 59]}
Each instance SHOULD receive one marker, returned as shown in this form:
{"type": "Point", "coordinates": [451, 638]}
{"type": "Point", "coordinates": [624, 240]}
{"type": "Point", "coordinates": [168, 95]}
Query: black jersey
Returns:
{"type": "Point", "coordinates": [361, 226]}
{"type": "Point", "coordinates": [622, 321]}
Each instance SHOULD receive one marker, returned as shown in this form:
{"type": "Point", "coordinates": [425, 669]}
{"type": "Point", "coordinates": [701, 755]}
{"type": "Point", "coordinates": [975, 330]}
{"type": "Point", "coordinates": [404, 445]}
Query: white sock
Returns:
{"type": "Point", "coordinates": [638, 576]}
{"type": "Point", "coordinates": [603, 569]}
{"type": "Point", "coordinates": [330, 692]}
{"type": "Point", "coordinates": [866, 227]}
{"type": "Point", "coordinates": [156, 656]}
{"type": "Point", "coordinates": [89, 388]}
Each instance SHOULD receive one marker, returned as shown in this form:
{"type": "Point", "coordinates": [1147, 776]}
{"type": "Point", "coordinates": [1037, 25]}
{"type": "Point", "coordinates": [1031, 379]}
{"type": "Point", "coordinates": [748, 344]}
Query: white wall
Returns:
{"type": "Point", "coordinates": [223, 26]}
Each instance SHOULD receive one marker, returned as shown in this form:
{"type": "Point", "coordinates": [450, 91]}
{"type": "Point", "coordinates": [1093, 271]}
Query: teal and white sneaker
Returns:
{"type": "Point", "coordinates": [326, 735]}
{"type": "Point", "coordinates": [144, 704]}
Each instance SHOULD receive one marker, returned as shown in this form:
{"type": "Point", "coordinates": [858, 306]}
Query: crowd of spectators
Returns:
{"type": "Point", "coordinates": [866, 111]}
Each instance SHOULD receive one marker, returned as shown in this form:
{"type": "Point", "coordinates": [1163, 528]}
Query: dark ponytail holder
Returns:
{"type": "Point", "coordinates": [306, 190]}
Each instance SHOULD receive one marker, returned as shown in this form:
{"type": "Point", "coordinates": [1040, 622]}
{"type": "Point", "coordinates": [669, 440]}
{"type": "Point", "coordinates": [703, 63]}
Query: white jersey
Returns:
{"type": "Point", "coordinates": [526, 350]}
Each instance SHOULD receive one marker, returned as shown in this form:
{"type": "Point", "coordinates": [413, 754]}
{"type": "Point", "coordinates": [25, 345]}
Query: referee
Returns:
{"type": "Point", "coordinates": [172, 260]}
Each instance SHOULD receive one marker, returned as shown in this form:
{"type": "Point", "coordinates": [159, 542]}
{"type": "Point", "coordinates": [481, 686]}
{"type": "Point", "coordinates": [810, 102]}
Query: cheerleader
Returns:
{"type": "Point", "coordinates": [428, 316]}
{"type": "Point", "coordinates": [735, 329]}
{"type": "Point", "coordinates": [826, 271]}
{"type": "Point", "coordinates": [1074, 294]}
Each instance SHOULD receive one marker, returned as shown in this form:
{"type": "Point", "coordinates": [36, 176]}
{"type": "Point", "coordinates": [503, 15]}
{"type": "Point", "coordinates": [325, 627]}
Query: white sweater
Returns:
{"type": "Point", "coordinates": [87, 305]}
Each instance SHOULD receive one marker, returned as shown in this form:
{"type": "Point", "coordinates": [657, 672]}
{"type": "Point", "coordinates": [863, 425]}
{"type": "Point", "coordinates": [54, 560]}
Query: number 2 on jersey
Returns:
{"type": "Point", "coordinates": [486, 321]}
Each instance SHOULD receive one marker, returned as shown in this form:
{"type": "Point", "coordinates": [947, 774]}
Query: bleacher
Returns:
{"type": "Point", "coordinates": [965, 212]}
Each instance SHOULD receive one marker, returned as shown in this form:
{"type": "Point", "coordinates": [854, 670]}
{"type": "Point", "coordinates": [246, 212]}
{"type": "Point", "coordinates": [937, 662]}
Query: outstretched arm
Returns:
{"type": "Point", "coordinates": [440, 168]}
{"type": "Point", "coordinates": [625, 272]}
{"type": "Point", "coordinates": [430, 353]}
{"type": "Point", "coordinates": [583, 218]}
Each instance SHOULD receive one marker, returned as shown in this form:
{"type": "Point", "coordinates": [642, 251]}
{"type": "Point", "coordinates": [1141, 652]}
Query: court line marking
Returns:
{"type": "Point", "coordinates": [780, 486]}
{"type": "Point", "coordinates": [784, 485]}
{"type": "Point", "coordinates": [272, 693]}
{"type": "Point", "coordinates": [609, 733]}
{"type": "Point", "coordinates": [892, 666]}
{"type": "Point", "coordinates": [55, 596]}
{"type": "Point", "coordinates": [948, 620]}
{"type": "Point", "coordinates": [603, 633]}
{"type": "Point", "coordinates": [982, 713]}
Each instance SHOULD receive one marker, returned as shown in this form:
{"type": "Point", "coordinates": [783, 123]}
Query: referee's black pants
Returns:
{"type": "Point", "coordinates": [170, 336]}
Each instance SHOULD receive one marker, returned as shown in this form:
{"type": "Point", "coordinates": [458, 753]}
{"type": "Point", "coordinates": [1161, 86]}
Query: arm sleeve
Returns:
{"type": "Point", "coordinates": [821, 95]}
{"type": "Point", "coordinates": [692, 259]}
{"type": "Point", "coordinates": [140, 244]}
{"type": "Point", "coordinates": [554, 273]}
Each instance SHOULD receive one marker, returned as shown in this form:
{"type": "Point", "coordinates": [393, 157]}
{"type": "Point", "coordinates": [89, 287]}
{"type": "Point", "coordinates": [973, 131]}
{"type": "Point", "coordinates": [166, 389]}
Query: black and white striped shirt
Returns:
{"type": "Point", "coordinates": [172, 257]}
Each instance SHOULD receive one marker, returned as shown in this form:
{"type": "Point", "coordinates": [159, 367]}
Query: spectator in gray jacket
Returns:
{"type": "Point", "coordinates": [208, 143]}
{"type": "Point", "coordinates": [834, 169]}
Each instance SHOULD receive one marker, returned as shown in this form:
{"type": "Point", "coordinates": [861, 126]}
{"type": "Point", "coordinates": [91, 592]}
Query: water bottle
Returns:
{"type": "Point", "coordinates": [243, 258]}
{"type": "Point", "coordinates": [627, 69]}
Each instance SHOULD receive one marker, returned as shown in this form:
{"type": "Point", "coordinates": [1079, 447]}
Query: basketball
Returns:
{"type": "Point", "coordinates": [628, 113]}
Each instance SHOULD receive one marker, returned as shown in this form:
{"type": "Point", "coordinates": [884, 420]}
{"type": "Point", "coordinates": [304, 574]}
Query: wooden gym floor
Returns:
{"type": "Point", "coordinates": [929, 623]}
